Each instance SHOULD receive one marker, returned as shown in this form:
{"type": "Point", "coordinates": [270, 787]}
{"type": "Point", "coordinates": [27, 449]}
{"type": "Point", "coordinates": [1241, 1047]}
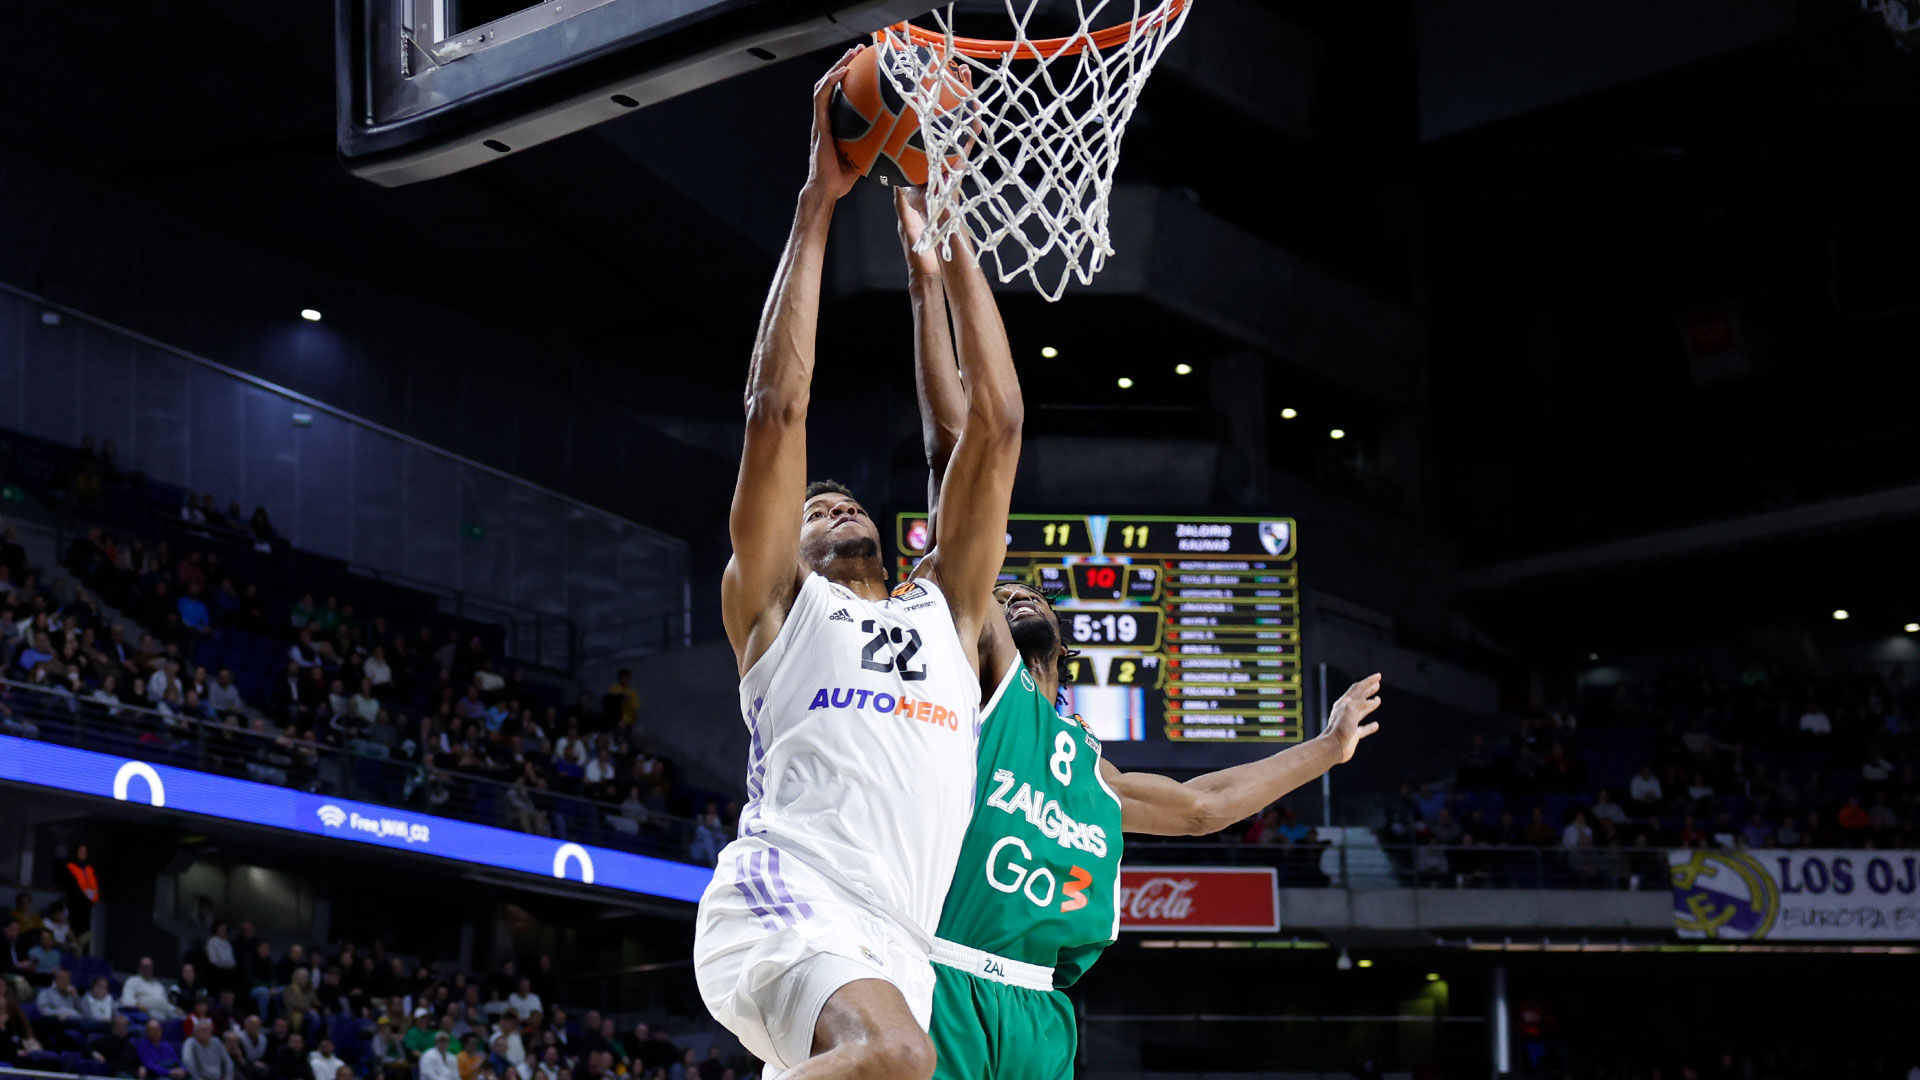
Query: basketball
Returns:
{"type": "Point", "coordinates": [878, 132]}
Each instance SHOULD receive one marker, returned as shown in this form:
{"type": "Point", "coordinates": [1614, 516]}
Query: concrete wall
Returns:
{"type": "Point", "coordinates": [332, 483]}
{"type": "Point", "coordinates": [690, 704]}
{"type": "Point", "coordinates": [1474, 909]}
{"type": "Point", "coordinates": [491, 389]}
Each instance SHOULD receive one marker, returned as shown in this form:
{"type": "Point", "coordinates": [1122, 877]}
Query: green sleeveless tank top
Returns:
{"type": "Point", "coordinates": [1039, 872]}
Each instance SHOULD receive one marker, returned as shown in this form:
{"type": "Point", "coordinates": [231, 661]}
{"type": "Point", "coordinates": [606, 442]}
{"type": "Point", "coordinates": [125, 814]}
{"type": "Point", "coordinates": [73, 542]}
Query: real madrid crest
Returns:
{"type": "Point", "coordinates": [1722, 894]}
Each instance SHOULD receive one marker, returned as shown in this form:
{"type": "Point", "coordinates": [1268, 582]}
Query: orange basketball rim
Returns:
{"type": "Point", "coordinates": [1042, 48]}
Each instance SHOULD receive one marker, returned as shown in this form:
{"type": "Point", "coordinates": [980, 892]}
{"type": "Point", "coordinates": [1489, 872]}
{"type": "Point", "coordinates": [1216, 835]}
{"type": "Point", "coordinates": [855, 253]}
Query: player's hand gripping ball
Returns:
{"type": "Point", "coordinates": [877, 131]}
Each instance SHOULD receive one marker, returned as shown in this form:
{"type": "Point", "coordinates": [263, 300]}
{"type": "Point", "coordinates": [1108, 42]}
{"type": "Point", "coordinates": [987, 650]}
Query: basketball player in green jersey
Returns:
{"type": "Point", "coordinates": [1035, 897]}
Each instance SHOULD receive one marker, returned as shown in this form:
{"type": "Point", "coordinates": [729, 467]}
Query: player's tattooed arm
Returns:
{"type": "Point", "coordinates": [769, 494]}
{"type": "Point", "coordinates": [977, 485]}
{"type": "Point", "coordinates": [1161, 806]}
{"type": "Point", "coordinates": [936, 374]}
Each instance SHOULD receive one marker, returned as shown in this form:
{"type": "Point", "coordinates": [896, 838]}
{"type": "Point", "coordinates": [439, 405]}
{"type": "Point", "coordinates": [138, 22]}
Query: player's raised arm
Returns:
{"type": "Point", "coordinates": [763, 573]}
{"type": "Point", "coordinates": [936, 376]}
{"type": "Point", "coordinates": [977, 487]}
{"type": "Point", "coordinates": [1162, 806]}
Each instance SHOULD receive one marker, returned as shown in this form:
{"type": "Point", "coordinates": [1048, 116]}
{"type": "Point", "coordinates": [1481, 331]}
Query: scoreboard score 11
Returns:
{"type": "Point", "coordinates": [1188, 628]}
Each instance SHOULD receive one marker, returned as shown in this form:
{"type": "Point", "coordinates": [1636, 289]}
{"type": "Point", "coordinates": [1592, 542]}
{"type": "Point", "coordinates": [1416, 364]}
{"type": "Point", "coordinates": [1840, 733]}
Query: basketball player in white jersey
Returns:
{"type": "Point", "coordinates": [812, 941]}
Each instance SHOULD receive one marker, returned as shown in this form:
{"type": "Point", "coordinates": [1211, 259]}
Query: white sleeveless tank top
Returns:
{"type": "Point", "coordinates": [864, 719]}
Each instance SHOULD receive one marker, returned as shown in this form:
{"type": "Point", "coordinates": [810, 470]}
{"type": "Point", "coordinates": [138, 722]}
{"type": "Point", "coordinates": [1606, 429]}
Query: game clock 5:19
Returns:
{"type": "Point", "coordinates": [1135, 628]}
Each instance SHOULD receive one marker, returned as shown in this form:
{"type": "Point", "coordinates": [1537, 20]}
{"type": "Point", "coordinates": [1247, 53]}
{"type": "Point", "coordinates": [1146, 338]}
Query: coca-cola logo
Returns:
{"type": "Point", "coordinates": [1199, 898]}
{"type": "Point", "coordinates": [1158, 899]}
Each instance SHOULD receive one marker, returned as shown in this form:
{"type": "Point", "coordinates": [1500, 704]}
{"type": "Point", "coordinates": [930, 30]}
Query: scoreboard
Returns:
{"type": "Point", "coordinates": [1188, 627]}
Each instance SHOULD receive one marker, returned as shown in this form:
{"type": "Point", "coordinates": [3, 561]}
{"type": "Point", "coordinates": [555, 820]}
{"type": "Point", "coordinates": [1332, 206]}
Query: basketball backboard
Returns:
{"type": "Point", "coordinates": [426, 88]}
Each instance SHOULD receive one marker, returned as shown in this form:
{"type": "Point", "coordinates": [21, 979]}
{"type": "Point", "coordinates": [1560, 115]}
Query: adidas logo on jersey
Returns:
{"type": "Point", "coordinates": [840, 616]}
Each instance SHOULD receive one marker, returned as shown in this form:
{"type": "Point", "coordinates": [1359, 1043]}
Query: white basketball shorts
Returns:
{"type": "Point", "coordinates": [774, 940]}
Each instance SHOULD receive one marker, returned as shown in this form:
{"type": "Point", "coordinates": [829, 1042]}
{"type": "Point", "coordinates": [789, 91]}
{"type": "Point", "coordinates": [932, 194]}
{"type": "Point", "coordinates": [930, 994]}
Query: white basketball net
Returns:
{"type": "Point", "coordinates": [1023, 165]}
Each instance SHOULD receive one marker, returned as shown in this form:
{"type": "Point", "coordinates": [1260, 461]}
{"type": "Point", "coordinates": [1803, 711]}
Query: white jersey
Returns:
{"type": "Point", "coordinates": [864, 720]}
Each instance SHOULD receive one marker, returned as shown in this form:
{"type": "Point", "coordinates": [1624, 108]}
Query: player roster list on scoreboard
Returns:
{"type": "Point", "coordinates": [1188, 627]}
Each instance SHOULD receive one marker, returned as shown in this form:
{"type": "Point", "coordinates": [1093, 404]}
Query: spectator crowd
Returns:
{"type": "Point", "coordinates": [237, 1008]}
{"type": "Point", "coordinates": [1764, 759]}
{"type": "Point", "coordinates": [1684, 759]}
{"type": "Point", "coordinates": [273, 683]}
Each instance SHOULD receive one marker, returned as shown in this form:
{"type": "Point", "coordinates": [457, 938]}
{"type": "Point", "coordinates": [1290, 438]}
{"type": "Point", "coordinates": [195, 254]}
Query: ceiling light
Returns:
{"type": "Point", "coordinates": [1125, 383]}
{"type": "Point", "coordinates": [1363, 963]}
{"type": "Point", "coordinates": [1433, 976]}
{"type": "Point", "coordinates": [1183, 369]}
{"type": "Point", "coordinates": [1337, 433]}
{"type": "Point", "coordinates": [1913, 628]}
{"type": "Point", "coordinates": [1288, 414]}
{"type": "Point", "coordinates": [310, 314]}
{"type": "Point", "coordinates": [1840, 615]}
{"type": "Point", "coordinates": [1048, 352]}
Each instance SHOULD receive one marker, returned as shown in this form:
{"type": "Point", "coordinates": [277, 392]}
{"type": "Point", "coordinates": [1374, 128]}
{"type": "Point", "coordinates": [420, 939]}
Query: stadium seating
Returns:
{"type": "Point", "coordinates": [453, 728]}
{"type": "Point", "coordinates": [364, 1001]}
{"type": "Point", "coordinates": [1754, 761]}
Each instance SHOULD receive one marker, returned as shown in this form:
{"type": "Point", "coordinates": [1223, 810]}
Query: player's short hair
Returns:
{"type": "Point", "coordinates": [822, 487]}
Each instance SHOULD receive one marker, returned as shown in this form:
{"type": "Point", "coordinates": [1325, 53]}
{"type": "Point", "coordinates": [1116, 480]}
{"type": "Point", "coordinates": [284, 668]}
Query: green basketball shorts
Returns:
{"type": "Point", "coordinates": [998, 1019]}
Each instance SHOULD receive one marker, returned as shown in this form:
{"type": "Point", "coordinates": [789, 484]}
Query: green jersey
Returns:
{"type": "Point", "coordinates": [1039, 873]}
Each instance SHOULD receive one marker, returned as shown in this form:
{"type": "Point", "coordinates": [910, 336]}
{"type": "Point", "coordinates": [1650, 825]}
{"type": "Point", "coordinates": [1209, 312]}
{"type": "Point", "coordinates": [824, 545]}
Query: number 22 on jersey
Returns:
{"type": "Point", "coordinates": [905, 643]}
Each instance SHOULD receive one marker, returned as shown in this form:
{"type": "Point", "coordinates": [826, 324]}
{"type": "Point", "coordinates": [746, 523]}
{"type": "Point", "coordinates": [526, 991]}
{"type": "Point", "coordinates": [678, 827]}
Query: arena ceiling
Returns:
{"type": "Point", "coordinates": [1557, 237]}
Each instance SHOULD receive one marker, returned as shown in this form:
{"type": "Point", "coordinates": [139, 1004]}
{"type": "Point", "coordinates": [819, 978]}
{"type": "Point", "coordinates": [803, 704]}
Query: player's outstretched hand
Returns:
{"type": "Point", "coordinates": [1348, 722]}
{"type": "Point", "coordinates": [910, 208]}
{"type": "Point", "coordinates": [829, 172]}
